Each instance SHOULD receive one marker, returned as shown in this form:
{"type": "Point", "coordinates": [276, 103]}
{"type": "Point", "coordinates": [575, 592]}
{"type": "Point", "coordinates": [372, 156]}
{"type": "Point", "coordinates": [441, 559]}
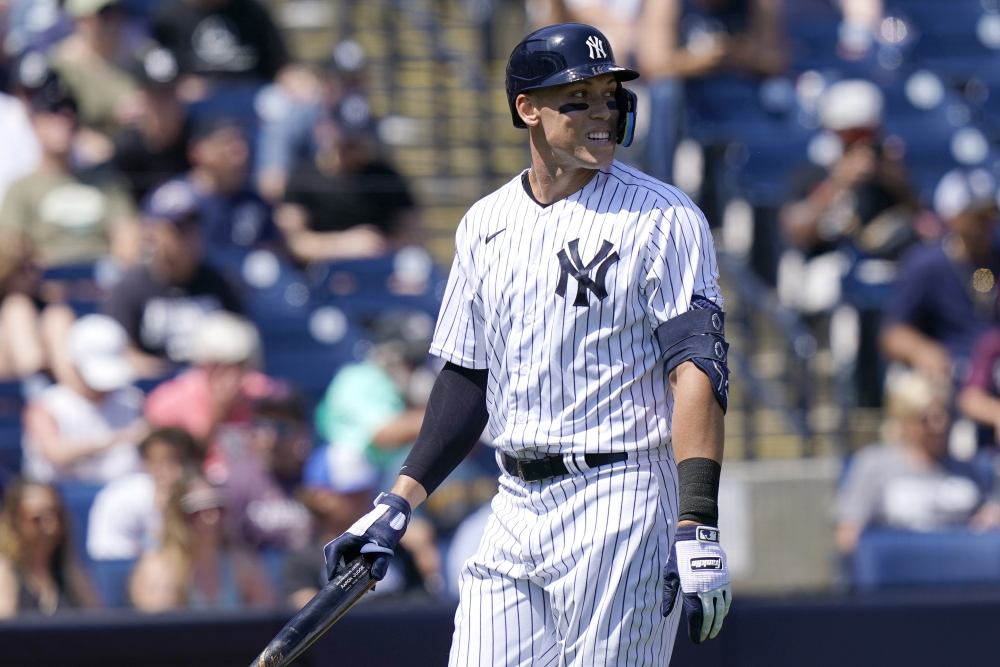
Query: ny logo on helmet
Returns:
{"type": "Point", "coordinates": [572, 265]}
{"type": "Point", "coordinates": [596, 47]}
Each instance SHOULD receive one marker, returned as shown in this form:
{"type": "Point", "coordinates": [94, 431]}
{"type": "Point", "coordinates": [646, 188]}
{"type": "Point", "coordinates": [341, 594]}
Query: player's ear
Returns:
{"type": "Point", "coordinates": [527, 109]}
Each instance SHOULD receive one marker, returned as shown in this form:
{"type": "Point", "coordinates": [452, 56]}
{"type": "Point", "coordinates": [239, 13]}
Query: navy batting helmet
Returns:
{"type": "Point", "coordinates": [564, 53]}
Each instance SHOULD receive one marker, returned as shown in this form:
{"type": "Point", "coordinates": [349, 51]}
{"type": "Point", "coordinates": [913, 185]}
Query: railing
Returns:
{"type": "Point", "coordinates": [792, 394]}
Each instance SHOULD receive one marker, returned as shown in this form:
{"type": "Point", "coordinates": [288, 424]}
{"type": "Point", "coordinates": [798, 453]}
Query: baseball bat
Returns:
{"type": "Point", "coordinates": [318, 615]}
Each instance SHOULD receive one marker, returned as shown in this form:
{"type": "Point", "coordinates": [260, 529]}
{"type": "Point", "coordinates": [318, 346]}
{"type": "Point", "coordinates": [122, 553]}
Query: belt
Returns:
{"type": "Point", "coordinates": [533, 470]}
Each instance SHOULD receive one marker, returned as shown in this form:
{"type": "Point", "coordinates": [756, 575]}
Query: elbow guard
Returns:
{"type": "Point", "coordinates": [698, 336]}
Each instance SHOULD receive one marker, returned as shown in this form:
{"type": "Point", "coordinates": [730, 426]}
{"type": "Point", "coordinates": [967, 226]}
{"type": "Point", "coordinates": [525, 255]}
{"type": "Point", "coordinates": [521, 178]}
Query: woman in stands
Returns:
{"type": "Point", "coordinates": [37, 569]}
{"type": "Point", "coordinates": [196, 568]}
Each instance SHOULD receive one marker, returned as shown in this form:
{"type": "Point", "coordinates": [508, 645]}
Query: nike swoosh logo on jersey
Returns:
{"type": "Point", "coordinates": [493, 235]}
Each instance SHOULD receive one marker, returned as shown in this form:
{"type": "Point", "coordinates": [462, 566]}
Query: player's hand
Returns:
{"type": "Point", "coordinates": [377, 532]}
{"type": "Point", "coordinates": [697, 570]}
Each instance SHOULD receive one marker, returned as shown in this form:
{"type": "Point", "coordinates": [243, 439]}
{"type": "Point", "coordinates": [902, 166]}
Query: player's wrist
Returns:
{"type": "Point", "coordinates": [698, 481]}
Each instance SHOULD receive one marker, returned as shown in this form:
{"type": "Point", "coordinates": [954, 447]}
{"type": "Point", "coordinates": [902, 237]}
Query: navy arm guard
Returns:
{"type": "Point", "coordinates": [699, 336]}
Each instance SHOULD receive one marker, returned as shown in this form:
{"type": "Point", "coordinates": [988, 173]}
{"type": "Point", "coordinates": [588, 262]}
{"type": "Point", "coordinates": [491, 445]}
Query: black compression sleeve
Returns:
{"type": "Point", "coordinates": [455, 418]}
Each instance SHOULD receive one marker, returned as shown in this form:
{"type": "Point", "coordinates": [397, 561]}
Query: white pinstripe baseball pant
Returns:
{"type": "Point", "coordinates": [569, 571]}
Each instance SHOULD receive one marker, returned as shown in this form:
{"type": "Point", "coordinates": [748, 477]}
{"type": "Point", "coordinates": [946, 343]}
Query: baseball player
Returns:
{"type": "Point", "coordinates": [582, 325]}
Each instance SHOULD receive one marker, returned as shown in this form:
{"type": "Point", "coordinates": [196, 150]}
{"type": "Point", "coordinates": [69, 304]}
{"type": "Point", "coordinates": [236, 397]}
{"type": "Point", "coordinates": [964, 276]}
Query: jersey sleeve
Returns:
{"type": "Point", "coordinates": [460, 333]}
{"type": "Point", "coordinates": [679, 263]}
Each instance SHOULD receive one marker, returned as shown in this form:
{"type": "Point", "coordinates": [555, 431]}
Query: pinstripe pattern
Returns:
{"type": "Point", "coordinates": [569, 571]}
{"type": "Point", "coordinates": [565, 378]}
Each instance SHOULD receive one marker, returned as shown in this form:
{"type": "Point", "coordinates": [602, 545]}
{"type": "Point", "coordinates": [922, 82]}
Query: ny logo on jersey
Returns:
{"type": "Point", "coordinates": [596, 47]}
{"type": "Point", "coordinates": [572, 265]}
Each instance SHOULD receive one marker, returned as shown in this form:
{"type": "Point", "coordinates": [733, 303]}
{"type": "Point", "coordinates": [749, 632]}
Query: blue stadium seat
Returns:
{"type": "Point", "coordinates": [111, 579]}
{"type": "Point", "coordinates": [78, 497]}
{"type": "Point", "coordinates": [10, 448]}
{"type": "Point", "coordinates": [307, 363]}
{"type": "Point", "coordinates": [890, 558]}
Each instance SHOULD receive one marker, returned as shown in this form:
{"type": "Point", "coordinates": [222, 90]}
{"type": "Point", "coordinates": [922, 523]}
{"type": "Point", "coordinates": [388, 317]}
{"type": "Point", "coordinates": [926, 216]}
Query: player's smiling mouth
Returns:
{"type": "Point", "coordinates": [602, 136]}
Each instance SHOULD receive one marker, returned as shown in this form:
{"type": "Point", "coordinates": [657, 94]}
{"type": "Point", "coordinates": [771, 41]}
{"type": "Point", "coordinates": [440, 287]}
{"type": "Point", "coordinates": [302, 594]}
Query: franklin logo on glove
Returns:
{"type": "Point", "coordinates": [706, 563]}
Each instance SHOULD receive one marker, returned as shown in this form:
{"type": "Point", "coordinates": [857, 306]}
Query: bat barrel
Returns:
{"type": "Point", "coordinates": [318, 615]}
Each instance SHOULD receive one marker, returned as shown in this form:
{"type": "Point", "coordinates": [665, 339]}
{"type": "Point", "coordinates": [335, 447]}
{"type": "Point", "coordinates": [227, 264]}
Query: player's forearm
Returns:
{"type": "Point", "coordinates": [698, 435]}
{"type": "Point", "coordinates": [698, 429]}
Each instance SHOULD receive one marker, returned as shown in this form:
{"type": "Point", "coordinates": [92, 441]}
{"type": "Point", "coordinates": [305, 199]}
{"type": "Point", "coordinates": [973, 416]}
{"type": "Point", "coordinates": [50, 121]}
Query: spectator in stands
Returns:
{"type": "Point", "coordinates": [286, 135]}
{"type": "Point", "coordinates": [376, 406]}
{"type": "Point", "coordinates": [196, 567]}
{"type": "Point", "coordinates": [979, 398]}
{"type": "Point", "coordinates": [88, 62]}
{"type": "Point", "coordinates": [218, 393]}
{"type": "Point", "coordinates": [126, 518]}
{"type": "Point", "coordinates": [678, 40]}
{"type": "Point", "coordinates": [233, 218]}
{"type": "Point", "coordinates": [22, 151]}
{"type": "Point", "coordinates": [911, 482]}
{"type": "Point", "coordinates": [161, 304]}
{"type": "Point", "coordinates": [221, 40]}
{"type": "Point", "coordinates": [153, 147]}
{"type": "Point", "coordinates": [86, 427]}
{"type": "Point", "coordinates": [52, 218]}
{"type": "Point", "coordinates": [37, 569]}
{"type": "Point", "coordinates": [864, 198]}
{"type": "Point", "coordinates": [50, 214]}
{"type": "Point", "coordinates": [262, 512]}
{"type": "Point", "coordinates": [946, 292]}
{"type": "Point", "coordinates": [346, 203]}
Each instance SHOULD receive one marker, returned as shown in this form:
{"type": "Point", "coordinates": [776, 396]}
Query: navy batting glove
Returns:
{"type": "Point", "coordinates": [377, 532]}
{"type": "Point", "coordinates": [697, 569]}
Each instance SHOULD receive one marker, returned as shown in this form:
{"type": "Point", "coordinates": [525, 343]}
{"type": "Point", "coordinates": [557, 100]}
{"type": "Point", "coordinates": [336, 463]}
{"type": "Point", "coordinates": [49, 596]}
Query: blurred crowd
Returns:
{"type": "Point", "coordinates": [172, 182]}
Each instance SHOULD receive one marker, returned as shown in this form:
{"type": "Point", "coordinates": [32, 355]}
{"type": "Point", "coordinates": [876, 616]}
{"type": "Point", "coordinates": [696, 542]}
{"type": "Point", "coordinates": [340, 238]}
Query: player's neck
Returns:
{"type": "Point", "coordinates": [551, 182]}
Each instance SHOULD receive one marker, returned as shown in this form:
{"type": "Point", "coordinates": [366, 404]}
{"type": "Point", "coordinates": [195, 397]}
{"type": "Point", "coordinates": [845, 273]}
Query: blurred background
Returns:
{"type": "Point", "coordinates": [225, 230]}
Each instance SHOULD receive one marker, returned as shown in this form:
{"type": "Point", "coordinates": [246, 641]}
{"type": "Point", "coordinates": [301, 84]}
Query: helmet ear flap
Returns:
{"type": "Point", "coordinates": [627, 103]}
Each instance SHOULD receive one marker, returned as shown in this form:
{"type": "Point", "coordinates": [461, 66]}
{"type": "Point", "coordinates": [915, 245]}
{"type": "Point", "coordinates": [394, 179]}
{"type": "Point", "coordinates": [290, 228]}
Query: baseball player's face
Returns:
{"type": "Point", "coordinates": [579, 121]}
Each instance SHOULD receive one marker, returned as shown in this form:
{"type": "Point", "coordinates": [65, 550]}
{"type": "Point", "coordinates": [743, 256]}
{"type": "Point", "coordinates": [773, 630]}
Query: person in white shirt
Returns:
{"type": "Point", "coordinates": [126, 518]}
{"type": "Point", "coordinates": [85, 428]}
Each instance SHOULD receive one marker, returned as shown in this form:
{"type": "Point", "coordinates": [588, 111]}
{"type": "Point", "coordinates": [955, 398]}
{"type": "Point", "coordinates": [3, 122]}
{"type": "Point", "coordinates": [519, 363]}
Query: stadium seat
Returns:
{"type": "Point", "coordinates": [890, 558]}
{"type": "Point", "coordinates": [78, 497]}
{"type": "Point", "coordinates": [111, 579]}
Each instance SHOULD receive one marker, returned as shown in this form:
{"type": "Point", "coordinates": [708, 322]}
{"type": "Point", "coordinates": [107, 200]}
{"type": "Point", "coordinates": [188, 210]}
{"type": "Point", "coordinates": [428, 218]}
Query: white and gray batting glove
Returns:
{"type": "Point", "coordinates": [697, 569]}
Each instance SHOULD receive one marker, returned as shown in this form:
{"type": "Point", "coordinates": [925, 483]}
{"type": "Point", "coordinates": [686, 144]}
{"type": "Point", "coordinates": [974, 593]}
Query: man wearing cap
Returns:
{"type": "Point", "coordinates": [219, 390]}
{"type": "Point", "coordinates": [233, 217]}
{"type": "Point", "coordinates": [154, 147]}
{"type": "Point", "coordinates": [945, 295]}
{"type": "Point", "coordinates": [162, 303]}
{"type": "Point", "coordinates": [346, 203]}
{"type": "Point", "coordinates": [52, 214]}
{"type": "Point", "coordinates": [86, 427]}
{"type": "Point", "coordinates": [287, 122]}
{"type": "Point", "coordinates": [832, 204]}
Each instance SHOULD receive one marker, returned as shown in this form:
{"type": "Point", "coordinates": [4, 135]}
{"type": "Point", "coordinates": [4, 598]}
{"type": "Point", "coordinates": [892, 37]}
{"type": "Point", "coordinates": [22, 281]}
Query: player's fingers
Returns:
{"type": "Point", "coordinates": [707, 615]}
{"type": "Point", "coordinates": [728, 592]}
{"type": "Point", "coordinates": [380, 567]}
{"type": "Point", "coordinates": [719, 615]}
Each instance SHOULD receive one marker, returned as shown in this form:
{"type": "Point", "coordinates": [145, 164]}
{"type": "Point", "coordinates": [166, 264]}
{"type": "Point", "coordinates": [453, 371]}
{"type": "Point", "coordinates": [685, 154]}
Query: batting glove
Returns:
{"type": "Point", "coordinates": [697, 569]}
{"type": "Point", "coordinates": [377, 532]}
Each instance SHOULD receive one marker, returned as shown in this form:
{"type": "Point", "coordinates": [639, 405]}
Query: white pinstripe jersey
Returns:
{"type": "Point", "coordinates": [560, 304]}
